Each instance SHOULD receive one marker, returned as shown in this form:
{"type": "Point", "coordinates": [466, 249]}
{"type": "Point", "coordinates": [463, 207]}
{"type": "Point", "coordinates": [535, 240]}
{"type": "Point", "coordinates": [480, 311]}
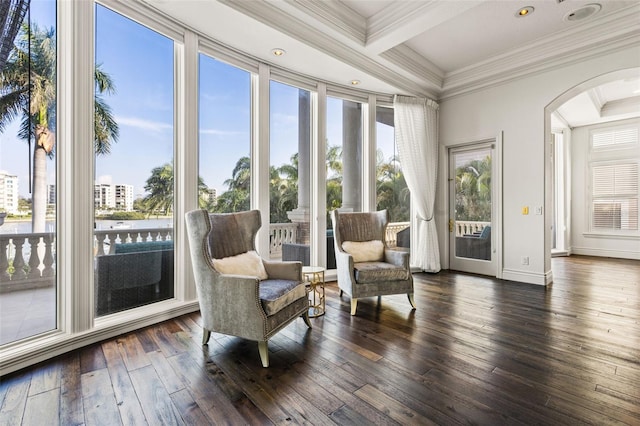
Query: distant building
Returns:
{"type": "Point", "coordinates": [211, 195]}
{"type": "Point", "coordinates": [8, 192]}
{"type": "Point", "coordinates": [51, 194]}
{"type": "Point", "coordinates": [109, 196]}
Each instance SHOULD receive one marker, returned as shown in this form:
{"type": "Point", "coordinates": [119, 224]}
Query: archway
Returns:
{"type": "Point", "coordinates": [548, 111]}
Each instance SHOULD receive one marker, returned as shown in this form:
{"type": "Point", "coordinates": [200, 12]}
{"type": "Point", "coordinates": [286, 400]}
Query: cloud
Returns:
{"type": "Point", "coordinates": [218, 132]}
{"type": "Point", "coordinates": [142, 124]}
{"type": "Point", "coordinates": [105, 179]}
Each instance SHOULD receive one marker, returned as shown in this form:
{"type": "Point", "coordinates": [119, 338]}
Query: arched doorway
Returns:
{"type": "Point", "coordinates": [551, 154]}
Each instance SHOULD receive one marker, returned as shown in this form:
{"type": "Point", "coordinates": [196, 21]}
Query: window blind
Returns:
{"type": "Point", "coordinates": [614, 138]}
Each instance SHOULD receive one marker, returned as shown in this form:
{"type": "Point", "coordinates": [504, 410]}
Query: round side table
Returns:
{"type": "Point", "coordinates": [314, 279]}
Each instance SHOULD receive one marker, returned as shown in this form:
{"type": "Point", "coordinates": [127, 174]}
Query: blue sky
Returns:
{"type": "Point", "coordinates": [140, 62]}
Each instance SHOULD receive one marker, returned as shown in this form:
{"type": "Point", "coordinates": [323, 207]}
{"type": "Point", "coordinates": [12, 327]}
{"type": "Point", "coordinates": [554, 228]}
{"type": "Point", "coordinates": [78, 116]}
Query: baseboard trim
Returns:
{"type": "Point", "coordinates": [526, 277]}
{"type": "Point", "coordinates": [26, 354]}
{"type": "Point", "coordinates": [620, 254]}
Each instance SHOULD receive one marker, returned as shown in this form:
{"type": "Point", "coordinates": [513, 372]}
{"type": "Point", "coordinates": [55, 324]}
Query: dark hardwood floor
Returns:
{"type": "Point", "coordinates": [477, 350]}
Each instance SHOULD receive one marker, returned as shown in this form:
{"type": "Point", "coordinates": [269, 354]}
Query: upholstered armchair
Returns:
{"type": "Point", "coordinates": [241, 294]}
{"type": "Point", "coordinates": [366, 266]}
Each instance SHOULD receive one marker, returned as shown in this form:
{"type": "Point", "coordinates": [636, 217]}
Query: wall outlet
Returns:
{"type": "Point", "coordinates": [525, 260]}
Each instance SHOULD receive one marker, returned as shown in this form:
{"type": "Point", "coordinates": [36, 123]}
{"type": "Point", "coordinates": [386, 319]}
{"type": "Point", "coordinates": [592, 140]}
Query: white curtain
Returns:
{"type": "Point", "coordinates": [416, 125]}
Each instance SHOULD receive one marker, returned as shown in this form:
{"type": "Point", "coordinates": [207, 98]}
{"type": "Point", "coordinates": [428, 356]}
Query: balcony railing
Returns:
{"type": "Point", "coordinates": [23, 267]}
{"type": "Point", "coordinates": [466, 227]}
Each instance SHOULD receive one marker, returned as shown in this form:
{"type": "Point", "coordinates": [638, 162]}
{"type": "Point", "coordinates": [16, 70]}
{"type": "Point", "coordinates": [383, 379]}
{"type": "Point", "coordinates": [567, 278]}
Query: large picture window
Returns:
{"type": "Point", "coordinates": [28, 193]}
{"type": "Point", "coordinates": [225, 137]}
{"type": "Point", "coordinates": [614, 180]}
{"type": "Point", "coordinates": [134, 184]}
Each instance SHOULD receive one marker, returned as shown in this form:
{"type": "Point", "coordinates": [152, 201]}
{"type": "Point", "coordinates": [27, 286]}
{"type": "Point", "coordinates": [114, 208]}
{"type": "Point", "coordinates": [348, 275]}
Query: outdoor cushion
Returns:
{"type": "Point", "coordinates": [276, 294]}
{"type": "Point", "coordinates": [364, 251]}
{"type": "Point", "coordinates": [143, 246]}
{"type": "Point", "coordinates": [249, 263]}
{"type": "Point", "coordinates": [371, 272]}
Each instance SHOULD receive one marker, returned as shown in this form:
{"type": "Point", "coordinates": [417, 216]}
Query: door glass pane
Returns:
{"type": "Point", "coordinates": [392, 192]}
{"type": "Point", "coordinates": [473, 203]}
{"type": "Point", "coordinates": [133, 189]}
{"type": "Point", "coordinates": [290, 173]}
{"type": "Point", "coordinates": [225, 137]}
{"type": "Point", "coordinates": [28, 173]}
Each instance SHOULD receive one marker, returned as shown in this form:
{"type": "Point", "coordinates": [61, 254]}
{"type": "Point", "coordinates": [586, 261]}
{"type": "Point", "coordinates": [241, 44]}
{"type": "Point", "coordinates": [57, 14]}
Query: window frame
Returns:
{"type": "Point", "coordinates": [612, 155]}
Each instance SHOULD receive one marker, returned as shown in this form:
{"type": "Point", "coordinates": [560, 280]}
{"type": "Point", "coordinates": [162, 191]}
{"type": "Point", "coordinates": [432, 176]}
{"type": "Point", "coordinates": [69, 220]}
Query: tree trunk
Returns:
{"type": "Point", "coordinates": [39, 195]}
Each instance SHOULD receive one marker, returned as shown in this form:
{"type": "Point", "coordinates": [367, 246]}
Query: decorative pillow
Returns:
{"type": "Point", "coordinates": [249, 263]}
{"type": "Point", "coordinates": [365, 251]}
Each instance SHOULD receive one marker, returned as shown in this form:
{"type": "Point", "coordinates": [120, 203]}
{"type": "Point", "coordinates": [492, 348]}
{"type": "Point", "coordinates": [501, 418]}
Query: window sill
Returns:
{"type": "Point", "coordinates": [611, 235]}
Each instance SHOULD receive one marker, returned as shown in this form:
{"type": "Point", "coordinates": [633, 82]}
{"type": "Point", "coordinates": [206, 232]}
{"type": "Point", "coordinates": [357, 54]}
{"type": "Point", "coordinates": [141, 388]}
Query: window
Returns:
{"type": "Point", "coordinates": [28, 290]}
{"type": "Point", "coordinates": [614, 179]}
{"type": "Point", "coordinates": [392, 192]}
{"type": "Point", "coordinates": [133, 188]}
{"type": "Point", "coordinates": [225, 137]}
{"type": "Point", "coordinates": [289, 172]}
{"type": "Point", "coordinates": [344, 155]}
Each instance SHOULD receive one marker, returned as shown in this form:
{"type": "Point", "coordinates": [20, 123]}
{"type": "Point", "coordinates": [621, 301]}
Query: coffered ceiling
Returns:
{"type": "Point", "coordinates": [436, 48]}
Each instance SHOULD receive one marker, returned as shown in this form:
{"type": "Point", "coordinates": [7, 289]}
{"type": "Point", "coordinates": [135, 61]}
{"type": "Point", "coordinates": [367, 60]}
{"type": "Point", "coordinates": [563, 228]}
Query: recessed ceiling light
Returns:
{"type": "Point", "coordinates": [355, 82]}
{"type": "Point", "coordinates": [278, 52]}
{"type": "Point", "coordinates": [525, 11]}
{"type": "Point", "coordinates": [583, 12]}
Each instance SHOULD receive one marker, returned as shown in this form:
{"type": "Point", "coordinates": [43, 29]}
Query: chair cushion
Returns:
{"type": "Point", "coordinates": [364, 251]}
{"type": "Point", "coordinates": [372, 272]}
{"type": "Point", "coordinates": [249, 263]}
{"type": "Point", "coordinates": [277, 294]}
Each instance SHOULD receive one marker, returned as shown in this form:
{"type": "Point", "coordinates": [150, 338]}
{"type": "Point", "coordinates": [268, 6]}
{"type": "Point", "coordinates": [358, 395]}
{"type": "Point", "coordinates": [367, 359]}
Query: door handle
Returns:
{"type": "Point", "coordinates": [451, 225]}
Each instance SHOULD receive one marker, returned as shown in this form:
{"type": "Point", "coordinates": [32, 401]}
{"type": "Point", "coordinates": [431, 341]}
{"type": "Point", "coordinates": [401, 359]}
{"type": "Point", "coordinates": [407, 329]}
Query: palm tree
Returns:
{"type": "Point", "coordinates": [236, 198]}
{"type": "Point", "coordinates": [473, 190]}
{"type": "Point", "coordinates": [28, 90]}
{"type": "Point", "coordinates": [160, 188]}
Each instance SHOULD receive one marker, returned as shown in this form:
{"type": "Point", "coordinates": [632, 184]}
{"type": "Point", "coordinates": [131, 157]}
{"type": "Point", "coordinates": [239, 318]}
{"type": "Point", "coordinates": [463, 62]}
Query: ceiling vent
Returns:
{"type": "Point", "coordinates": [583, 12]}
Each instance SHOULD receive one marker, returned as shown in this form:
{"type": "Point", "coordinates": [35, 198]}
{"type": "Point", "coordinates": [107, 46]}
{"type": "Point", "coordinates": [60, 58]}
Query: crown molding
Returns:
{"type": "Point", "coordinates": [616, 31]}
{"type": "Point", "coordinates": [292, 26]}
{"type": "Point", "coordinates": [621, 106]}
{"type": "Point", "coordinates": [335, 15]}
{"type": "Point", "coordinates": [407, 59]}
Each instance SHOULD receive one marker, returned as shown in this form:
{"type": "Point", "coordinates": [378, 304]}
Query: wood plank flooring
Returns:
{"type": "Point", "coordinates": [476, 351]}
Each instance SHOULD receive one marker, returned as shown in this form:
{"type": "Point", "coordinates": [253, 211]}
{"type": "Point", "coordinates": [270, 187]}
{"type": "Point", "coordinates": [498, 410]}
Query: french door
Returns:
{"type": "Point", "coordinates": [472, 209]}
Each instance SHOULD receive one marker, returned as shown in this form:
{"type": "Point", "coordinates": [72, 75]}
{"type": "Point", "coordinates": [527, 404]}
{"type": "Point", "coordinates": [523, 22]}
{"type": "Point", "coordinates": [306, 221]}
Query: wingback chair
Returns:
{"type": "Point", "coordinates": [366, 266]}
{"type": "Point", "coordinates": [241, 294]}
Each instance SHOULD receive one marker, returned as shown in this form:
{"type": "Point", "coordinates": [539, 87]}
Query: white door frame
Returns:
{"type": "Point", "coordinates": [497, 204]}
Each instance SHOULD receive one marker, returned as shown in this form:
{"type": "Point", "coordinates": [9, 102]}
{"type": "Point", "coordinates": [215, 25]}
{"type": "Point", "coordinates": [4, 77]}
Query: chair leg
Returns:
{"type": "Point", "coordinates": [264, 353]}
{"type": "Point", "coordinates": [341, 292]}
{"type": "Point", "coordinates": [305, 317]}
{"type": "Point", "coordinates": [354, 304]}
{"type": "Point", "coordinates": [413, 303]}
{"type": "Point", "coordinates": [206, 334]}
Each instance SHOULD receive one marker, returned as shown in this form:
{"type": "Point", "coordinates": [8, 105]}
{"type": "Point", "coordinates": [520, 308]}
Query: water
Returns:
{"type": "Point", "coordinates": [24, 227]}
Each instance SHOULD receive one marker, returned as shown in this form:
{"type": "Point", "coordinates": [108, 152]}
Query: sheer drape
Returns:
{"type": "Point", "coordinates": [416, 125]}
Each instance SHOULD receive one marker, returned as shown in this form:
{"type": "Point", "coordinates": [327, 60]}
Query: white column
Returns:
{"type": "Point", "coordinates": [351, 156]}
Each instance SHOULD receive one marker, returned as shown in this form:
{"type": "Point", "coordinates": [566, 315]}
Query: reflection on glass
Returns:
{"type": "Point", "coordinates": [133, 188]}
{"type": "Point", "coordinates": [28, 175]}
{"type": "Point", "coordinates": [473, 203]}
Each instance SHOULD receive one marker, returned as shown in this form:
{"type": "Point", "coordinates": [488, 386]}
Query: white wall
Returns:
{"type": "Point", "coordinates": [591, 244]}
{"type": "Point", "coordinates": [517, 108]}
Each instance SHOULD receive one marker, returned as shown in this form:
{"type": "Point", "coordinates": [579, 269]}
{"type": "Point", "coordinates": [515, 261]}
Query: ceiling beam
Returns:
{"type": "Point", "coordinates": [403, 20]}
